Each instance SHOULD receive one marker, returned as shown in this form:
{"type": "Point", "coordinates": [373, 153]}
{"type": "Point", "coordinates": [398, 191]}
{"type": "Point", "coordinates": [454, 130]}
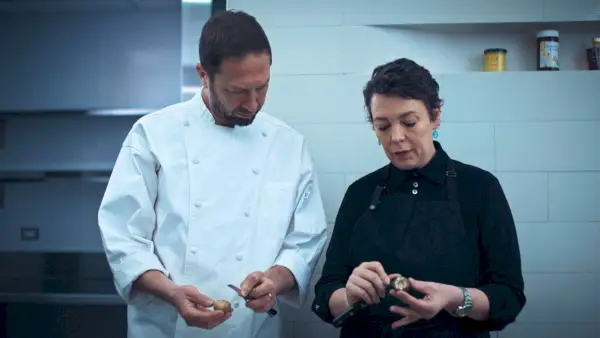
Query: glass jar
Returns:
{"type": "Point", "coordinates": [547, 50]}
{"type": "Point", "coordinates": [495, 59]}
{"type": "Point", "coordinates": [593, 55]}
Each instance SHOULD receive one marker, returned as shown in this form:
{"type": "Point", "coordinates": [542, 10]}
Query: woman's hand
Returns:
{"type": "Point", "coordinates": [367, 282]}
{"type": "Point", "coordinates": [437, 298]}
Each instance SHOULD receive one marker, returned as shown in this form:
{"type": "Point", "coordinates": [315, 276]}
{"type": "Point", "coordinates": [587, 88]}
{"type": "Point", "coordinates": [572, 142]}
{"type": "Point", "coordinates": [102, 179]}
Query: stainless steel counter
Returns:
{"type": "Point", "coordinates": [72, 278]}
{"type": "Point", "coordinates": [56, 298]}
{"type": "Point", "coordinates": [64, 294]}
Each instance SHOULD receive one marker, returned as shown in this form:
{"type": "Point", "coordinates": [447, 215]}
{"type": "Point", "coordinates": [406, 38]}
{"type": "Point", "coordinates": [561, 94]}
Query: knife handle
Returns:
{"type": "Point", "coordinates": [271, 312]}
{"type": "Point", "coordinates": [351, 311]}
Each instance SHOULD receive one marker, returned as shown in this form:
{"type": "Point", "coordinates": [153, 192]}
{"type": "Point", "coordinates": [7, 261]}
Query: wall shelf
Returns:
{"type": "Point", "coordinates": [61, 145]}
{"type": "Point", "coordinates": [451, 36]}
{"type": "Point", "coordinates": [75, 112]}
{"type": "Point", "coordinates": [459, 48]}
{"type": "Point", "coordinates": [543, 75]}
{"type": "Point", "coordinates": [525, 27]}
{"type": "Point", "coordinates": [94, 173]}
{"type": "Point", "coordinates": [360, 12]}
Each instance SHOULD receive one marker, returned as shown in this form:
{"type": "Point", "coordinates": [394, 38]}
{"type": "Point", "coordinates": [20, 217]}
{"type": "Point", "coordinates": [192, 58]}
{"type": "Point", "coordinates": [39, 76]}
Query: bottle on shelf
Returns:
{"type": "Point", "coordinates": [593, 54]}
{"type": "Point", "coordinates": [547, 50]}
{"type": "Point", "coordinates": [495, 59]}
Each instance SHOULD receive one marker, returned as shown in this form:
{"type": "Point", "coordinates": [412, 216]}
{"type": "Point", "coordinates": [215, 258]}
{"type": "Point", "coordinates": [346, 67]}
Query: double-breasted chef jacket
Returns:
{"type": "Point", "coordinates": [207, 205]}
{"type": "Point", "coordinates": [448, 222]}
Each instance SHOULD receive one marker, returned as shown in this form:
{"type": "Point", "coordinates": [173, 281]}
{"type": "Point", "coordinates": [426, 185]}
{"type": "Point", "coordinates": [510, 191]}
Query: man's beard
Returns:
{"type": "Point", "coordinates": [237, 117]}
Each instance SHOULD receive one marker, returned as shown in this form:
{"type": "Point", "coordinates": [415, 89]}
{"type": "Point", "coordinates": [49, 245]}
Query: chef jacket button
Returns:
{"type": "Point", "coordinates": [264, 134]}
{"type": "Point", "coordinates": [196, 161]}
{"type": "Point", "coordinates": [239, 257]}
{"type": "Point", "coordinates": [193, 249]}
{"type": "Point", "coordinates": [255, 171]}
{"type": "Point", "coordinates": [415, 184]}
{"type": "Point", "coordinates": [186, 123]}
{"type": "Point", "coordinates": [414, 192]}
{"type": "Point", "coordinates": [247, 214]}
{"type": "Point", "coordinates": [235, 304]}
{"type": "Point", "coordinates": [198, 205]}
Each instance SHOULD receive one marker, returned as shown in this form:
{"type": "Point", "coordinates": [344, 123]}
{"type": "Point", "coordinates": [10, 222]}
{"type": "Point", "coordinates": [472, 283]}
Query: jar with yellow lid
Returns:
{"type": "Point", "coordinates": [495, 59]}
{"type": "Point", "coordinates": [593, 54]}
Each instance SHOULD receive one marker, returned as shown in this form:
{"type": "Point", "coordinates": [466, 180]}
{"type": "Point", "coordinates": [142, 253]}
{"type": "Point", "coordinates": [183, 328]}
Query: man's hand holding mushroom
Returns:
{"type": "Point", "coordinates": [264, 287]}
{"type": "Point", "coordinates": [195, 308]}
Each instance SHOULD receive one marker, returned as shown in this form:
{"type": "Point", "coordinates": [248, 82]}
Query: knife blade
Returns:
{"type": "Point", "coordinates": [271, 312]}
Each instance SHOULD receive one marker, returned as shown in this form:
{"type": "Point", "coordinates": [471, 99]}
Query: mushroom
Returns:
{"type": "Point", "coordinates": [222, 305]}
{"type": "Point", "coordinates": [399, 283]}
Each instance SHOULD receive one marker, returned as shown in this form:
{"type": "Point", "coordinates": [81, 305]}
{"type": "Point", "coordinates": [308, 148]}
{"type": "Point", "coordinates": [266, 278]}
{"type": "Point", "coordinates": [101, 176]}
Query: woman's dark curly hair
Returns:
{"type": "Point", "coordinates": [406, 79]}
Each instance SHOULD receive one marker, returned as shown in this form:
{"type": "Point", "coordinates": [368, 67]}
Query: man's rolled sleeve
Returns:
{"type": "Point", "coordinates": [126, 217]}
{"type": "Point", "coordinates": [305, 241]}
{"type": "Point", "coordinates": [129, 270]}
{"type": "Point", "coordinates": [302, 273]}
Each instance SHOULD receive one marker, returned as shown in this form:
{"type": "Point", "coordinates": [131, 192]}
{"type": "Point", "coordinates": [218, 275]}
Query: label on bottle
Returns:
{"type": "Point", "coordinates": [549, 54]}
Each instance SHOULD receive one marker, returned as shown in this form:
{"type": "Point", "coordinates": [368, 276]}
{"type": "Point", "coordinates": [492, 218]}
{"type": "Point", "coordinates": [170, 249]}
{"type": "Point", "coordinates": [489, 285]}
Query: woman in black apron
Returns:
{"type": "Point", "coordinates": [445, 224]}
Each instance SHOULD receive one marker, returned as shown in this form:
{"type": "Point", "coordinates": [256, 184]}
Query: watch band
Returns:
{"type": "Point", "coordinates": [464, 309]}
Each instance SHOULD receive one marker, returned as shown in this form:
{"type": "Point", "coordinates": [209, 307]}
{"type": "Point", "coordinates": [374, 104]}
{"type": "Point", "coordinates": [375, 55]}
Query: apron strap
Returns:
{"type": "Point", "coordinates": [380, 189]}
{"type": "Point", "coordinates": [451, 180]}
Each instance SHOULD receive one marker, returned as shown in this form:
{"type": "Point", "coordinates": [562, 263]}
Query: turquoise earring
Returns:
{"type": "Point", "coordinates": [435, 134]}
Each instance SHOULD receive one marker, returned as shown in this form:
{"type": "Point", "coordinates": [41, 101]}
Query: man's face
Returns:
{"type": "Point", "coordinates": [238, 91]}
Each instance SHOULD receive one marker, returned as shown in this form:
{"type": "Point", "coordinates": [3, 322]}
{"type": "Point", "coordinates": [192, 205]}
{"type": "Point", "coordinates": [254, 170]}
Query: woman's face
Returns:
{"type": "Point", "coordinates": [405, 130]}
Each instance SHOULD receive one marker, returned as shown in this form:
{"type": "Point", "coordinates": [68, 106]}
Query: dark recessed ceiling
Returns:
{"type": "Point", "coordinates": [59, 6]}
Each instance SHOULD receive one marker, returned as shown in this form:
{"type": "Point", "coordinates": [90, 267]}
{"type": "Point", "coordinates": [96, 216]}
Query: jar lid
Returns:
{"type": "Point", "coordinates": [547, 33]}
{"type": "Point", "coordinates": [596, 40]}
{"type": "Point", "coordinates": [495, 50]}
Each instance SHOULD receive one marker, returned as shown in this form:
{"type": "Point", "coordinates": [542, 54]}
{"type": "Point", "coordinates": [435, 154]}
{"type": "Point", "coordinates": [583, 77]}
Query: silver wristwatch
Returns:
{"type": "Point", "coordinates": [464, 309]}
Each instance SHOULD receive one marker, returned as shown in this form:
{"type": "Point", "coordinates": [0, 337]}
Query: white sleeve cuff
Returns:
{"type": "Point", "coordinates": [302, 273]}
{"type": "Point", "coordinates": [128, 270]}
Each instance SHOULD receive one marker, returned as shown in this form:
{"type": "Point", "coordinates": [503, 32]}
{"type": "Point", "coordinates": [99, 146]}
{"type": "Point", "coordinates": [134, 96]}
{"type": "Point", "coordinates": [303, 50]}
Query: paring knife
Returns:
{"type": "Point", "coordinates": [271, 312]}
{"type": "Point", "coordinates": [398, 283]}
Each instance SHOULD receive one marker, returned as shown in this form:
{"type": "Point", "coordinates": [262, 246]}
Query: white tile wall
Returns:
{"type": "Point", "coordinates": [551, 146]}
{"type": "Point", "coordinates": [551, 330]}
{"type": "Point", "coordinates": [561, 247]}
{"type": "Point", "coordinates": [527, 195]}
{"type": "Point", "coordinates": [498, 99]}
{"type": "Point", "coordinates": [534, 130]}
{"type": "Point", "coordinates": [575, 196]}
{"type": "Point", "coordinates": [364, 11]}
{"type": "Point", "coordinates": [312, 39]}
{"type": "Point", "coordinates": [333, 187]}
{"type": "Point", "coordinates": [333, 106]}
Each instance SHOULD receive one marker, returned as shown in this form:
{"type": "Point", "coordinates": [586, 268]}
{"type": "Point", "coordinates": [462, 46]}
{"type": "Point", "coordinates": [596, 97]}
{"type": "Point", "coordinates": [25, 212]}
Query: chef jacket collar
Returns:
{"type": "Point", "coordinates": [201, 108]}
{"type": "Point", "coordinates": [434, 171]}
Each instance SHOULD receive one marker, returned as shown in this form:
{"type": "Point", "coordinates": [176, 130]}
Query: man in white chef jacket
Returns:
{"type": "Point", "coordinates": [210, 192]}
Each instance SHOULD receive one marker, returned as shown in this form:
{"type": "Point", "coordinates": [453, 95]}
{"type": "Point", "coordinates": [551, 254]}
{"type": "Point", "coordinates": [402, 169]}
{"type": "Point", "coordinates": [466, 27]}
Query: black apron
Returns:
{"type": "Point", "coordinates": [425, 240]}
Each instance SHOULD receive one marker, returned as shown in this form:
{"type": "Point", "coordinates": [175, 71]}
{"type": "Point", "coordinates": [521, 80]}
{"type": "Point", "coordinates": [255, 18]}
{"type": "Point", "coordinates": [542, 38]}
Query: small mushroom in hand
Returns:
{"type": "Point", "coordinates": [400, 283]}
{"type": "Point", "coordinates": [222, 305]}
